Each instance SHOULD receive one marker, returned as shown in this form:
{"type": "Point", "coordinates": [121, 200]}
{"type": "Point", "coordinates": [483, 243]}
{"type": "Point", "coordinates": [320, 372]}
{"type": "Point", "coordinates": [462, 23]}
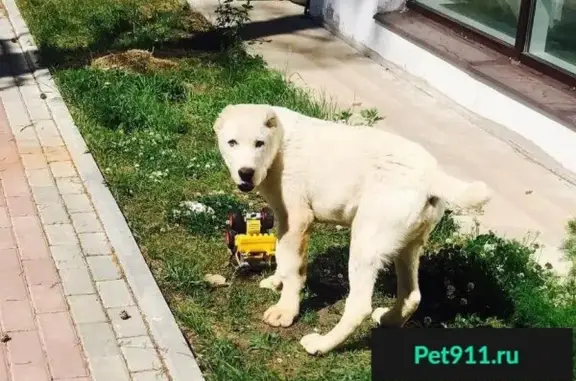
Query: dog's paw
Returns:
{"type": "Point", "coordinates": [388, 317]}
{"type": "Point", "coordinates": [278, 316]}
{"type": "Point", "coordinates": [272, 282]}
{"type": "Point", "coordinates": [315, 344]}
{"type": "Point", "coordinates": [379, 313]}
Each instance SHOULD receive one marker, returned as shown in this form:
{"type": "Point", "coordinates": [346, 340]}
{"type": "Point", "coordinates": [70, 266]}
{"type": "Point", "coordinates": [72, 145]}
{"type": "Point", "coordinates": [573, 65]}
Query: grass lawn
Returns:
{"type": "Point", "coordinates": [147, 120]}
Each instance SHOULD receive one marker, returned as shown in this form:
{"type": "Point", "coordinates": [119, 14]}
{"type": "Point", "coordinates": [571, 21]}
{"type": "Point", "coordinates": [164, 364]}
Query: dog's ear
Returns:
{"type": "Point", "coordinates": [271, 120]}
{"type": "Point", "coordinates": [220, 119]}
{"type": "Point", "coordinates": [217, 124]}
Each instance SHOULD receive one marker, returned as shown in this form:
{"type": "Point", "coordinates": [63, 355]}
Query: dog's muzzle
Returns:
{"type": "Point", "coordinates": [245, 187]}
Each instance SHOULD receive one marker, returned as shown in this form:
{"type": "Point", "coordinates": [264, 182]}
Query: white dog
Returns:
{"type": "Point", "coordinates": [389, 190]}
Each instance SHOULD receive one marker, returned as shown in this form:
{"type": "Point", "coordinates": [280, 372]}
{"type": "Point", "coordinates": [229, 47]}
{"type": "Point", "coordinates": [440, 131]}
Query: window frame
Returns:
{"type": "Point", "coordinates": [519, 51]}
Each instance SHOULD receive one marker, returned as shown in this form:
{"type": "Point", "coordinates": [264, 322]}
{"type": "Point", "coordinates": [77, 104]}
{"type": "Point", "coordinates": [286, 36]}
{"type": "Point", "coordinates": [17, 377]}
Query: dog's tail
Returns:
{"type": "Point", "coordinates": [460, 194]}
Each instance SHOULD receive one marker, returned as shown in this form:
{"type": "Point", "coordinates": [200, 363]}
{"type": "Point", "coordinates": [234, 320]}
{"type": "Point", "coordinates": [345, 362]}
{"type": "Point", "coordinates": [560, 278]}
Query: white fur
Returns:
{"type": "Point", "coordinates": [389, 190]}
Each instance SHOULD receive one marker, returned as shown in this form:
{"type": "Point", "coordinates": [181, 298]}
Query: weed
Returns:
{"type": "Point", "coordinates": [344, 116]}
{"type": "Point", "coordinates": [371, 116]}
{"type": "Point", "coordinates": [367, 117]}
{"type": "Point", "coordinates": [230, 20]}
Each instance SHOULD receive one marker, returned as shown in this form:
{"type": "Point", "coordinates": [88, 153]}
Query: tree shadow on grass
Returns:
{"type": "Point", "coordinates": [188, 38]}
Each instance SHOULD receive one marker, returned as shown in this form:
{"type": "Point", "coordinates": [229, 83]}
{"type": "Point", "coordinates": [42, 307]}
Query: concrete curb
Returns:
{"type": "Point", "coordinates": [177, 355]}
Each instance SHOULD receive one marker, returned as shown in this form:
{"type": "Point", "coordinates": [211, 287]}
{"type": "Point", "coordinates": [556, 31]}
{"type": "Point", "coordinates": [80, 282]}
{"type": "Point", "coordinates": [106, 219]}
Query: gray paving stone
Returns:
{"type": "Point", "coordinates": [40, 177]}
{"type": "Point", "coordinates": [62, 169]}
{"type": "Point", "coordinates": [95, 243]}
{"type": "Point", "coordinates": [98, 340]}
{"type": "Point", "coordinates": [134, 326]}
{"type": "Point", "coordinates": [53, 213]}
{"type": "Point", "coordinates": [140, 354]}
{"type": "Point", "coordinates": [60, 234]}
{"type": "Point", "coordinates": [77, 203]}
{"type": "Point", "coordinates": [109, 368]}
{"type": "Point", "coordinates": [150, 375]}
{"type": "Point", "coordinates": [104, 268]}
{"type": "Point", "coordinates": [34, 161]}
{"type": "Point", "coordinates": [46, 128]}
{"type": "Point", "coordinates": [114, 293]}
{"type": "Point", "coordinates": [86, 222]}
{"type": "Point", "coordinates": [28, 146]}
{"type": "Point", "coordinates": [67, 256]}
{"type": "Point", "coordinates": [70, 185]}
{"type": "Point", "coordinates": [77, 281]}
{"type": "Point", "coordinates": [46, 194]}
{"type": "Point", "coordinates": [86, 309]}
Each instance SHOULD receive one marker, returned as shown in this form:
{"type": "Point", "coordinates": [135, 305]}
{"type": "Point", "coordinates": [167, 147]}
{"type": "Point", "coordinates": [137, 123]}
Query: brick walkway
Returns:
{"type": "Point", "coordinates": [40, 342]}
{"type": "Point", "coordinates": [66, 310]}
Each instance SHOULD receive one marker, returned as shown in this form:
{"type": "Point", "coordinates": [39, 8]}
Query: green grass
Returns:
{"type": "Point", "coordinates": [150, 132]}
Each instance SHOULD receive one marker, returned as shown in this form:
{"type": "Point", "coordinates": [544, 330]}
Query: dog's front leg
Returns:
{"type": "Point", "coordinates": [291, 268]}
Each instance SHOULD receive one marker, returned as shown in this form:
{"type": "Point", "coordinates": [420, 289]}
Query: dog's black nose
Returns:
{"type": "Point", "coordinates": [246, 174]}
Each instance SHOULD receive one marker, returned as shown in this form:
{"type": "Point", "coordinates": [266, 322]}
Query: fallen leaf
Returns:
{"type": "Point", "coordinates": [5, 338]}
{"type": "Point", "coordinates": [124, 315]}
{"type": "Point", "coordinates": [216, 280]}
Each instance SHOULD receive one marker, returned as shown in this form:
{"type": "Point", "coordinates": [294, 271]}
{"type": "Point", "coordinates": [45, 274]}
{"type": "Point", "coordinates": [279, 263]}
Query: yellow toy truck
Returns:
{"type": "Point", "coordinates": [249, 240]}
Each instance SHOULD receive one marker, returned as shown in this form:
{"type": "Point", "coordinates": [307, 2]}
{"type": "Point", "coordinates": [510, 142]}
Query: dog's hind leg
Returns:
{"type": "Point", "coordinates": [376, 238]}
{"type": "Point", "coordinates": [407, 263]}
{"type": "Point", "coordinates": [408, 294]}
{"type": "Point", "coordinates": [291, 268]}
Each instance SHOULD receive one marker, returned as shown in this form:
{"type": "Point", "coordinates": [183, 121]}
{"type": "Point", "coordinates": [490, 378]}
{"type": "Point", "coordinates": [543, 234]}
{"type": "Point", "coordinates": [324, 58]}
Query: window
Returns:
{"type": "Point", "coordinates": [497, 18]}
{"type": "Point", "coordinates": [534, 31]}
{"type": "Point", "coordinates": [553, 37]}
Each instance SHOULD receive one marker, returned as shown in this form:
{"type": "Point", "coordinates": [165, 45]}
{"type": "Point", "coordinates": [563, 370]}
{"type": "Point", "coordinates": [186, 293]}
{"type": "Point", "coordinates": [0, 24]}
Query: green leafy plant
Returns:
{"type": "Point", "coordinates": [371, 116]}
{"type": "Point", "coordinates": [230, 19]}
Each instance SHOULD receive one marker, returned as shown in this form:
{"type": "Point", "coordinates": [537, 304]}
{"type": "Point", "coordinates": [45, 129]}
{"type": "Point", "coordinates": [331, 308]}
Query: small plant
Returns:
{"type": "Point", "coordinates": [367, 117]}
{"type": "Point", "coordinates": [371, 116]}
{"type": "Point", "coordinates": [344, 116]}
{"type": "Point", "coordinates": [230, 20]}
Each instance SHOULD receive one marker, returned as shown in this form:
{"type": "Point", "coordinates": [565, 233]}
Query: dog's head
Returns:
{"type": "Point", "coordinates": [249, 137]}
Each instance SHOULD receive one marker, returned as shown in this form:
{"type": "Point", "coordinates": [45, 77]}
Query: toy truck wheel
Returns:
{"type": "Point", "coordinates": [267, 220]}
{"type": "Point", "coordinates": [230, 235]}
{"type": "Point", "coordinates": [236, 222]}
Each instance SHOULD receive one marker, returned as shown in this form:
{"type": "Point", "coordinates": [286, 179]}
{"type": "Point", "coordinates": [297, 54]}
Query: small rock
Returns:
{"type": "Point", "coordinates": [216, 280]}
{"type": "Point", "coordinates": [5, 338]}
{"type": "Point", "coordinates": [528, 192]}
{"type": "Point", "coordinates": [124, 315]}
{"type": "Point", "coordinates": [42, 96]}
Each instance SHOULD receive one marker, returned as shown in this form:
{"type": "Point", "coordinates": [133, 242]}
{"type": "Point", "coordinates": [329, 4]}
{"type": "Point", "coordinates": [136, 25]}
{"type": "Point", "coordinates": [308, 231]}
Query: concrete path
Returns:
{"type": "Point", "coordinates": [533, 193]}
{"type": "Point", "coordinates": [77, 301]}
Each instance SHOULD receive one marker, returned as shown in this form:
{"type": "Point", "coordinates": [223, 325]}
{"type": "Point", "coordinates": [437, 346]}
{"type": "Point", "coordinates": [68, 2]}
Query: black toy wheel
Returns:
{"type": "Point", "coordinates": [236, 222]}
{"type": "Point", "coordinates": [267, 219]}
{"type": "Point", "coordinates": [230, 237]}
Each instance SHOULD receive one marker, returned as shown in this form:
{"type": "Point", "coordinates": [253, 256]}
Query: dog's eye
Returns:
{"type": "Point", "coordinates": [259, 143]}
{"type": "Point", "coordinates": [232, 143]}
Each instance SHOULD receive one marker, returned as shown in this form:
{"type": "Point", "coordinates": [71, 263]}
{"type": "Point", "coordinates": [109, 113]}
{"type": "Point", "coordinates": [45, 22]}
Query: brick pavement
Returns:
{"type": "Point", "coordinates": [62, 291]}
{"type": "Point", "coordinates": [76, 292]}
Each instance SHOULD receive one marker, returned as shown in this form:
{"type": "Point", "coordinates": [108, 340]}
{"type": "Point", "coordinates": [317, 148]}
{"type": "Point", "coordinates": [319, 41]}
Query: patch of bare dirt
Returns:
{"type": "Point", "coordinates": [3, 13]}
{"type": "Point", "coordinates": [140, 61]}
